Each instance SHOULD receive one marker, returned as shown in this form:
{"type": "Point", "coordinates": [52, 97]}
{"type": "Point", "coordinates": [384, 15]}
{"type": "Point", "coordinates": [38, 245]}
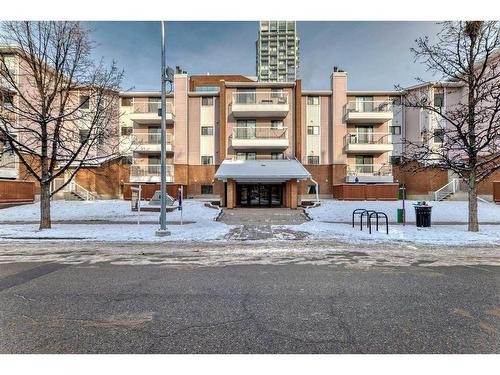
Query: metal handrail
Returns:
{"type": "Point", "coordinates": [367, 138]}
{"type": "Point", "coordinates": [450, 188]}
{"type": "Point", "coordinates": [145, 137]}
{"type": "Point", "coordinates": [369, 169]}
{"type": "Point", "coordinates": [369, 106]}
{"type": "Point", "coordinates": [259, 133]}
{"type": "Point", "coordinates": [149, 169]}
{"type": "Point", "coordinates": [150, 107]}
{"type": "Point", "coordinates": [73, 187]}
{"type": "Point", "coordinates": [260, 97]}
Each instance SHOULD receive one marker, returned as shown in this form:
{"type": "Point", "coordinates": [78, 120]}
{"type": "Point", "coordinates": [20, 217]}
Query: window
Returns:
{"type": "Point", "coordinates": [313, 100]}
{"type": "Point", "coordinates": [7, 101]}
{"type": "Point", "coordinates": [207, 89]}
{"type": "Point", "coordinates": [438, 136]}
{"type": "Point", "coordinates": [246, 156]}
{"type": "Point", "coordinates": [311, 189]}
{"type": "Point", "coordinates": [207, 160]}
{"type": "Point", "coordinates": [395, 130]}
{"type": "Point", "coordinates": [313, 160]}
{"type": "Point", "coordinates": [276, 124]}
{"type": "Point", "coordinates": [84, 101]}
{"type": "Point", "coordinates": [207, 189]}
{"type": "Point", "coordinates": [84, 135]}
{"type": "Point", "coordinates": [126, 102]}
{"type": "Point", "coordinates": [207, 101]}
{"type": "Point", "coordinates": [395, 160]}
{"type": "Point", "coordinates": [127, 160]}
{"type": "Point", "coordinates": [207, 130]}
{"type": "Point", "coordinates": [277, 155]}
{"type": "Point", "coordinates": [439, 100]}
{"type": "Point", "coordinates": [126, 130]}
{"type": "Point", "coordinates": [313, 130]}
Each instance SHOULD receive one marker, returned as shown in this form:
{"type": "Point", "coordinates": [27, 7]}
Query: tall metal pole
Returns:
{"type": "Point", "coordinates": [163, 196]}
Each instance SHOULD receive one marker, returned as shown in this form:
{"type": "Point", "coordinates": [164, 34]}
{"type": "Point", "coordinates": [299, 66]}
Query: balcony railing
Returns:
{"type": "Point", "coordinates": [368, 106]}
{"type": "Point", "coordinates": [8, 160]}
{"type": "Point", "coordinates": [152, 138]}
{"type": "Point", "coordinates": [150, 107]}
{"type": "Point", "coordinates": [367, 138]}
{"type": "Point", "coordinates": [149, 170]}
{"type": "Point", "coordinates": [259, 133]}
{"type": "Point", "coordinates": [369, 170]}
{"type": "Point", "coordinates": [264, 98]}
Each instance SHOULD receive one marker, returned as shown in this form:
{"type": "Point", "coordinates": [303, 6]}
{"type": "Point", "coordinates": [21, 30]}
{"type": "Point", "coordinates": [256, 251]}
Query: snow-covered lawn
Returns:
{"type": "Point", "coordinates": [203, 230]}
{"type": "Point", "coordinates": [113, 210]}
{"type": "Point", "coordinates": [448, 211]}
{"type": "Point", "coordinates": [453, 235]}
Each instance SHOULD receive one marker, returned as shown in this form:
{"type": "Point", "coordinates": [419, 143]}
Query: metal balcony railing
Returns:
{"type": "Point", "coordinates": [151, 138]}
{"type": "Point", "coordinates": [367, 138]}
{"type": "Point", "coordinates": [369, 106]}
{"type": "Point", "coordinates": [259, 133]}
{"type": "Point", "coordinates": [144, 170]}
{"type": "Point", "coordinates": [260, 97]}
{"type": "Point", "coordinates": [369, 170]}
{"type": "Point", "coordinates": [150, 107]}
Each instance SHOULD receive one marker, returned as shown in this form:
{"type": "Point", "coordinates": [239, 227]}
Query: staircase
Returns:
{"type": "Point", "coordinates": [447, 190]}
{"type": "Point", "coordinates": [76, 191]}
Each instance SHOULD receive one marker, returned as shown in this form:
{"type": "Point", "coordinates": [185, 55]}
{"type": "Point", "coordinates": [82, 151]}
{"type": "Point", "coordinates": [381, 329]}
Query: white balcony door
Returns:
{"type": "Point", "coordinates": [364, 163]}
{"type": "Point", "coordinates": [364, 103]}
{"type": "Point", "coordinates": [364, 134]}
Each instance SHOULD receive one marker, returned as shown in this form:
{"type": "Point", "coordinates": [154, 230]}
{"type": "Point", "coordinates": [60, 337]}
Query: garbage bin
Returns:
{"type": "Point", "coordinates": [400, 215]}
{"type": "Point", "coordinates": [423, 215]}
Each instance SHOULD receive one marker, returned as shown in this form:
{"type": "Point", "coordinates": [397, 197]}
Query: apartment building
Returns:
{"type": "Point", "coordinates": [251, 143]}
{"type": "Point", "coordinates": [277, 51]}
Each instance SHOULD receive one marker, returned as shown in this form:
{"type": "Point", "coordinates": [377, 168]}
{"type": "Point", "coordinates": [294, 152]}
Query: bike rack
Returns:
{"type": "Point", "coordinates": [368, 213]}
{"type": "Point", "coordinates": [378, 215]}
{"type": "Point", "coordinates": [357, 211]}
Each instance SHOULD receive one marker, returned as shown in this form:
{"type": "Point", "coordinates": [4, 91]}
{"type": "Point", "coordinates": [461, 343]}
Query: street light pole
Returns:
{"type": "Point", "coordinates": [163, 195]}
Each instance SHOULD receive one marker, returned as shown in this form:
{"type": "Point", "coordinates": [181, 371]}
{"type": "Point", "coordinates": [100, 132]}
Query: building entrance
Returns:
{"type": "Point", "coordinates": [259, 195]}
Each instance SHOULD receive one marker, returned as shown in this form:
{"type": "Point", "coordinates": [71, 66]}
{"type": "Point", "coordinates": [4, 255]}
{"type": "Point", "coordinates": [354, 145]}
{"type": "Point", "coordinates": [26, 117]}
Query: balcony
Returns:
{"type": "Point", "coordinates": [367, 143]}
{"type": "Point", "coordinates": [368, 111]}
{"type": "Point", "coordinates": [147, 142]}
{"type": "Point", "coordinates": [149, 112]}
{"type": "Point", "coordinates": [149, 173]}
{"type": "Point", "coordinates": [260, 138]}
{"type": "Point", "coordinates": [260, 104]}
{"type": "Point", "coordinates": [369, 173]}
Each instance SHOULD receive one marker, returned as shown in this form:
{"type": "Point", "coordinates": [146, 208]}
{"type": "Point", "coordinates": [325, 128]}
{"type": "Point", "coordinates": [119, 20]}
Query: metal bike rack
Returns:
{"type": "Point", "coordinates": [357, 211]}
{"type": "Point", "coordinates": [368, 213]}
{"type": "Point", "coordinates": [378, 215]}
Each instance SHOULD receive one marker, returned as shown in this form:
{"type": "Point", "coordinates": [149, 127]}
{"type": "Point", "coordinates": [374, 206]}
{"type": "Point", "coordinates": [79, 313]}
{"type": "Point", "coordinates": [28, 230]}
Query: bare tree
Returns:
{"type": "Point", "coordinates": [466, 139]}
{"type": "Point", "coordinates": [60, 107]}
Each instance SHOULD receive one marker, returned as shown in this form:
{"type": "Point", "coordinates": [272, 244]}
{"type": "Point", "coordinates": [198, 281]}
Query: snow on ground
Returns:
{"type": "Point", "coordinates": [113, 210]}
{"type": "Point", "coordinates": [447, 211]}
{"type": "Point", "coordinates": [453, 235]}
{"type": "Point", "coordinates": [203, 230]}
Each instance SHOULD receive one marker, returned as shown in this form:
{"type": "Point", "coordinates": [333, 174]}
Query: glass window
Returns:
{"type": "Point", "coordinates": [395, 159]}
{"type": "Point", "coordinates": [126, 102]}
{"type": "Point", "coordinates": [313, 160]}
{"type": "Point", "coordinates": [207, 130]}
{"type": "Point", "coordinates": [438, 136]}
{"type": "Point", "coordinates": [126, 130]}
{"type": "Point", "coordinates": [84, 135]}
{"type": "Point", "coordinates": [207, 89]}
{"type": "Point", "coordinates": [311, 189]}
{"type": "Point", "coordinates": [395, 130]}
{"type": "Point", "coordinates": [84, 102]}
{"type": "Point", "coordinates": [439, 100]}
{"type": "Point", "coordinates": [127, 160]}
{"type": "Point", "coordinates": [313, 100]}
{"type": "Point", "coordinates": [207, 101]}
{"type": "Point", "coordinates": [313, 130]}
{"type": "Point", "coordinates": [276, 124]}
{"type": "Point", "coordinates": [207, 189]}
{"type": "Point", "coordinates": [206, 160]}
{"type": "Point", "coordinates": [277, 155]}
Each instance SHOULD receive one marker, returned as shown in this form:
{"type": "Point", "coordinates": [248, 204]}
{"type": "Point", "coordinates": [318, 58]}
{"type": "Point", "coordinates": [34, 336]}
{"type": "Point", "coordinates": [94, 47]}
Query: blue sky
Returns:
{"type": "Point", "coordinates": [376, 55]}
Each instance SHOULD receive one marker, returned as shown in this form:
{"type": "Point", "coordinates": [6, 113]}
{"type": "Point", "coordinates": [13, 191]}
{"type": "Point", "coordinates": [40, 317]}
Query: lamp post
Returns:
{"type": "Point", "coordinates": [163, 195]}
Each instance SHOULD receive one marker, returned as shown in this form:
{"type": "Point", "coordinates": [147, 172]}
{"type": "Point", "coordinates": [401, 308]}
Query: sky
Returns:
{"type": "Point", "coordinates": [376, 55]}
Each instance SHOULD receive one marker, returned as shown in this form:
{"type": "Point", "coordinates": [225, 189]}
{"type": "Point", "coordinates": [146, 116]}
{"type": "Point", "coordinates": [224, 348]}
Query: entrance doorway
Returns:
{"type": "Point", "coordinates": [259, 195]}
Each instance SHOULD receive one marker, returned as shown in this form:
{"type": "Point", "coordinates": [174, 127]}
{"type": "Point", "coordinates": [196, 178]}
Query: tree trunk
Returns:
{"type": "Point", "coordinates": [473, 224]}
{"type": "Point", "coordinates": [45, 222]}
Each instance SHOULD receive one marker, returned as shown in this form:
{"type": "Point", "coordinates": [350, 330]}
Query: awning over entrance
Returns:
{"type": "Point", "coordinates": [262, 170]}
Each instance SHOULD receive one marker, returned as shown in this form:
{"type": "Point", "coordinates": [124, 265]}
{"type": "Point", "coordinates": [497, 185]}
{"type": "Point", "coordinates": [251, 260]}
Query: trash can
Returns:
{"type": "Point", "coordinates": [423, 215]}
{"type": "Point", "coordinates": [400, 215]}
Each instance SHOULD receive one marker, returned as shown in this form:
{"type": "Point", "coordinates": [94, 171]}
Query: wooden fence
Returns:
{"type": "Point", "coordinates": [496, 191]}
{"type": "Point", "coordinates": [16, 191]}
{"type": "Point", "coordinates": [361, 192]}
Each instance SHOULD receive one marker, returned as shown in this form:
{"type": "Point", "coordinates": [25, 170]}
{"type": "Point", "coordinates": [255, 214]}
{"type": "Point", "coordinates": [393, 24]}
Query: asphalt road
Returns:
{"type": "Point", "coordinates": [253, 308]}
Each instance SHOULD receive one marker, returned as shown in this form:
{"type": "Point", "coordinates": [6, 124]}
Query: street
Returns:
{"type": "Point", "coordinates": [341, 300]}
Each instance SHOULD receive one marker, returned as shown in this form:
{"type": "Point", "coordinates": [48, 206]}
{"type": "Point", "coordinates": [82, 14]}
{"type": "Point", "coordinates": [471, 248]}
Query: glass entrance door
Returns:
{"type": "Point", "coordinates": [259, 195]}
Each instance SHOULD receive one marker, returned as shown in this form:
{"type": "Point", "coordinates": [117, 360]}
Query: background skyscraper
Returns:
{"type": "Point", "coordinates": [277, 51]}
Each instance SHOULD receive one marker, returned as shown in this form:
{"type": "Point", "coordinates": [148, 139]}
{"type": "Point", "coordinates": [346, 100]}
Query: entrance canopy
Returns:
{"type": "Point", "coordinates": [262, 170]}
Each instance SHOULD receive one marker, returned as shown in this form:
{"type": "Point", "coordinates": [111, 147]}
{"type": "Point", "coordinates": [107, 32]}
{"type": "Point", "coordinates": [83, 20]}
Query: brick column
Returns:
{"type": "Point", "coordinates": [293, 193]}
{"type": "Point", "coordinates": [231, 194]}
